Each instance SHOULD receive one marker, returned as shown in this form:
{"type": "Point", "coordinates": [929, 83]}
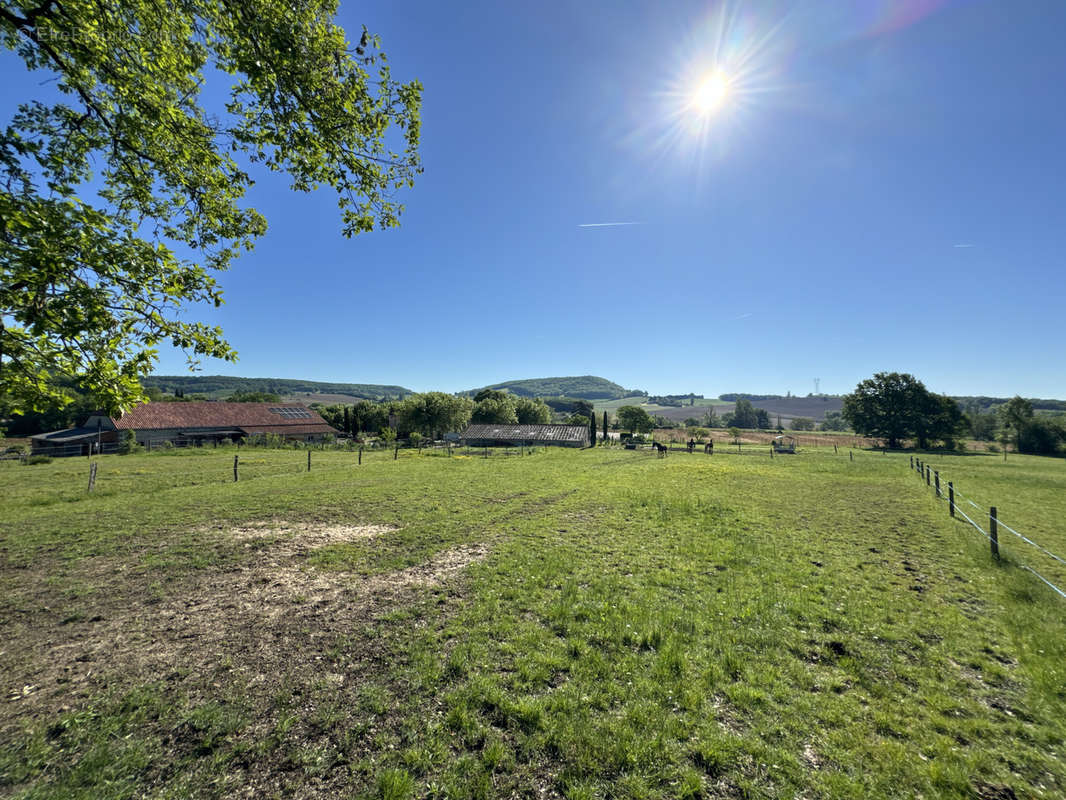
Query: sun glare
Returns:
{"type": "Point", "coordinates": [711, 94]}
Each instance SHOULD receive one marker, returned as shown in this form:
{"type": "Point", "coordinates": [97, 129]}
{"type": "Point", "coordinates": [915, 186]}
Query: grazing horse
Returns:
{"type": "Point", "coordinates": [709, 448]}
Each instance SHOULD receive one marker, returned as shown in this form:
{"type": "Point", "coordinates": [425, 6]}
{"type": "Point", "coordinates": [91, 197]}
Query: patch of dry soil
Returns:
{"type": "Point", "coordinates": [261, 618]}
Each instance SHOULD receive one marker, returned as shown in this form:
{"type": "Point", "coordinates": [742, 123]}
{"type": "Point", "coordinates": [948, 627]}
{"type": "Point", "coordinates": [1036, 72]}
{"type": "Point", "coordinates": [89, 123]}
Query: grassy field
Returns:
{"type": "Point", "coordinates": [581, 624]}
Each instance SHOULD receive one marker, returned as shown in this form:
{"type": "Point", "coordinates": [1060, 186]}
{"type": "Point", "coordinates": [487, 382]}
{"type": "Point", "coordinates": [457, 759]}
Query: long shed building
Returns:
{"type": "Point", "coordinates": [496, 435]}
{"type": "Point", "coordinates": [182, 424]}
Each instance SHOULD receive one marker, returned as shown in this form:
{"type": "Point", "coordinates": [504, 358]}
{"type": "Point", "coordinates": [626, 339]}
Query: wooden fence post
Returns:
{"type": "Point", "coordinates": [927, 476]}
{"type": "Point", "coordinates": [92, 475]}
{"type": "Point", "coordinates": [235, 468]}
{"type": "Point", "coordinates": [308, 460]}
{"type": "Point", "coordinates": [912, 462]}
{"type": "Point", "coordinates": [396, 452]}
{"type": "Point", "coordinates": [951, 498]}
{"type": "Point", "coordinates": [936, 481]}
{"type": "Point", "coordinates": [993, 532]}
{"type": "Point", "coordinates": [851, 456]}
{"type": "Point", "coordinates": [360, 454]}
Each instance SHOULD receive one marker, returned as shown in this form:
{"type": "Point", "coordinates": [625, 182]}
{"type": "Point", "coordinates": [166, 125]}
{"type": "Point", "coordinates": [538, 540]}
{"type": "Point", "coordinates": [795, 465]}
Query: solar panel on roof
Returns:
{"type": "Point", "coordinates": [290, 412]}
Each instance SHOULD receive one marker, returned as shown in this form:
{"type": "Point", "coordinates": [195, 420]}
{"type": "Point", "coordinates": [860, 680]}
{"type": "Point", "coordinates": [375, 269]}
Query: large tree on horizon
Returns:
{"type": "Point", "coordinates": [122, 200]}
{"type": "Point", "coordinates": [895, 406]}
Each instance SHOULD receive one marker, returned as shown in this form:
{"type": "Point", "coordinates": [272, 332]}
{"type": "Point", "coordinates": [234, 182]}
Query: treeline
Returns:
{"type": "Point", "coordinates": [214, 386]}
{"type": "Point", "coordinates": [432, 414]}
{"type": "Point", "coordinates": [986, 404]}
{"type": "Point", "coordinates": [896, 407]}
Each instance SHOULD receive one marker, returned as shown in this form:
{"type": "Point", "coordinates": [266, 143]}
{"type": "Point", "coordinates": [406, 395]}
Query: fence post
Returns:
{"type": "Point", "coordinates": [936, 481]}
{"type": "Point", "coordinates": [912, 462]}
{"type": "Point", "coordinates": [834, 448]}
{"type": "Point", "coordinates": [951, 498]}
{"type": "Point", "coordinates": [771, 451]}
{"type": "Point", "coordinates": [993, 532]}
{"type": "Point", "coordinates": [851, 456]}
{"type": "Point", "coordinates": [360, 455]}
{"type": "Point", "coordinates": [396, 452]}
{"type": "Point", "coordinates": [92, 475]}
{"type": "Point", "coordinates": [927, 475]}
{"type": "Point", "coordinates": [235, 468]}
{"type": "Point", "coordinates": [308, 460]}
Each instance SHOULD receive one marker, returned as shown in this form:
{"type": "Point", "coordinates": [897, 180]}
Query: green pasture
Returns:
{"type": "Point", "coordinates": [582, 624]}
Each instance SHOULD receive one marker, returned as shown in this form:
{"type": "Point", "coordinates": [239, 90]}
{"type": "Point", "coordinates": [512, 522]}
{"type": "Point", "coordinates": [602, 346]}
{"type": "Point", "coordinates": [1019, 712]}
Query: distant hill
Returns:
{"type": "Point", "coordinates": [216, 386]}
{"type": "Point", "coordinates": [588, 387]}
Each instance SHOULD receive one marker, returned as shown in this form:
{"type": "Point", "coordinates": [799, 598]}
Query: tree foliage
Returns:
{"type": "Point", "coordinates": [120, 202]}
{"type": "Point", "coordinates": [1028, 432]}
{"type": "Point", "coordinates": [896, 406]}
{"type": "Point", "coordinates": [435, 413]}
{"type": "Point", "coordinates": [532, 411]}
{"type": "Point", "coordinates": [634, 419]}
{"type": "Point", "coordinates": [495, 409]}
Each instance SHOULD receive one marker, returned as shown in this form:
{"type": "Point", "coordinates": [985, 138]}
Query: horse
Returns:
{"type": "Point", "coordinates": [661, 448]}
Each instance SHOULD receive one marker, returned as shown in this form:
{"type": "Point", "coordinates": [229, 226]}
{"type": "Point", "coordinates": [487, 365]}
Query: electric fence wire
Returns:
{"type": "Point", "coordinates": [1000, 523]}
{"type": "Point", "coordinates": [1045, 580]}
{"type": "Point", "coordinates": [979, 528]}
{"type": "Point", "coordinates": [1043, 550]}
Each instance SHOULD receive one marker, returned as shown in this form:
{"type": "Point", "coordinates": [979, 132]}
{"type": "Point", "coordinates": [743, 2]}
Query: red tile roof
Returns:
{"type": "Point", "coordinates": [283, 418]}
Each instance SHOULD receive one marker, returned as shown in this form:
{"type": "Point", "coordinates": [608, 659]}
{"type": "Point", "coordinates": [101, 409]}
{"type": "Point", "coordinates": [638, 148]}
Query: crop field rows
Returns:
{"type": "Point", "coordinates": [581, 624]}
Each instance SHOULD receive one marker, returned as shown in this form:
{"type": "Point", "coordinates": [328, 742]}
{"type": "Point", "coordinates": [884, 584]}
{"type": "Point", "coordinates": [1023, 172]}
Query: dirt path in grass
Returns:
{"type": "Point", "coordinates": [254, 621]}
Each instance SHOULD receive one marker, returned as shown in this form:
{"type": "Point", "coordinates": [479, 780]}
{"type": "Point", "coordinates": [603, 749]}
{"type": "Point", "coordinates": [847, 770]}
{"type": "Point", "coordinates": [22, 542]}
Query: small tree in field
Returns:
{"type": "Point", "coordinates": [592, 431]}
{"type": "Point", "coordinates": [605, 426]}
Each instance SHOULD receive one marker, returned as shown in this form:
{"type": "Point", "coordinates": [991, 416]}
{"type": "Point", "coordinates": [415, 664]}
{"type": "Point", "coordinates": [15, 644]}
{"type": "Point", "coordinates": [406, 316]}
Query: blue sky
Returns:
{"type": "Point", "coordinates": [881, 189]}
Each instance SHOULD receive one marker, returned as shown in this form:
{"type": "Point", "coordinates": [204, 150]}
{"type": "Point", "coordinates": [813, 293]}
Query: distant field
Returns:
{"type": "Point", "coordinates": [581, 624]}
{"type": "Point", "coordinates": [787, 408]}
{"type": "Point", "coordinates": [325, 399]}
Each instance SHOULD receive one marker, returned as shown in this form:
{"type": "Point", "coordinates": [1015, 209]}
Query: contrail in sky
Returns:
{"type": "Point", "coordinates": [606, 224]}
{"type": "Point", "coordinates": [962, 245]}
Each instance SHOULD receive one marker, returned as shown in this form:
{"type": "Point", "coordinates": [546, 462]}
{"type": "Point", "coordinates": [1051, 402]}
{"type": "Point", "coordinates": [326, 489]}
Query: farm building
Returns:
{"type": "Point", "coordinates": [495, 435]}
{"type": "Point", "coordinates": [184, 424]}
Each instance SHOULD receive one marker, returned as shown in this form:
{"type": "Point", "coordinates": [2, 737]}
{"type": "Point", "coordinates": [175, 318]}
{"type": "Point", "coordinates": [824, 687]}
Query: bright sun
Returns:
{"type": "Point", "coordinates": [711, 94]}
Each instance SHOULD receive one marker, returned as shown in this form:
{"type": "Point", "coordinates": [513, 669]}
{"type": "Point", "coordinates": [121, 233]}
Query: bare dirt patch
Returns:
{"type": "Point", "coordinates": [251, 623]}
{"type": "Point", "coordinates": [286, 539]}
